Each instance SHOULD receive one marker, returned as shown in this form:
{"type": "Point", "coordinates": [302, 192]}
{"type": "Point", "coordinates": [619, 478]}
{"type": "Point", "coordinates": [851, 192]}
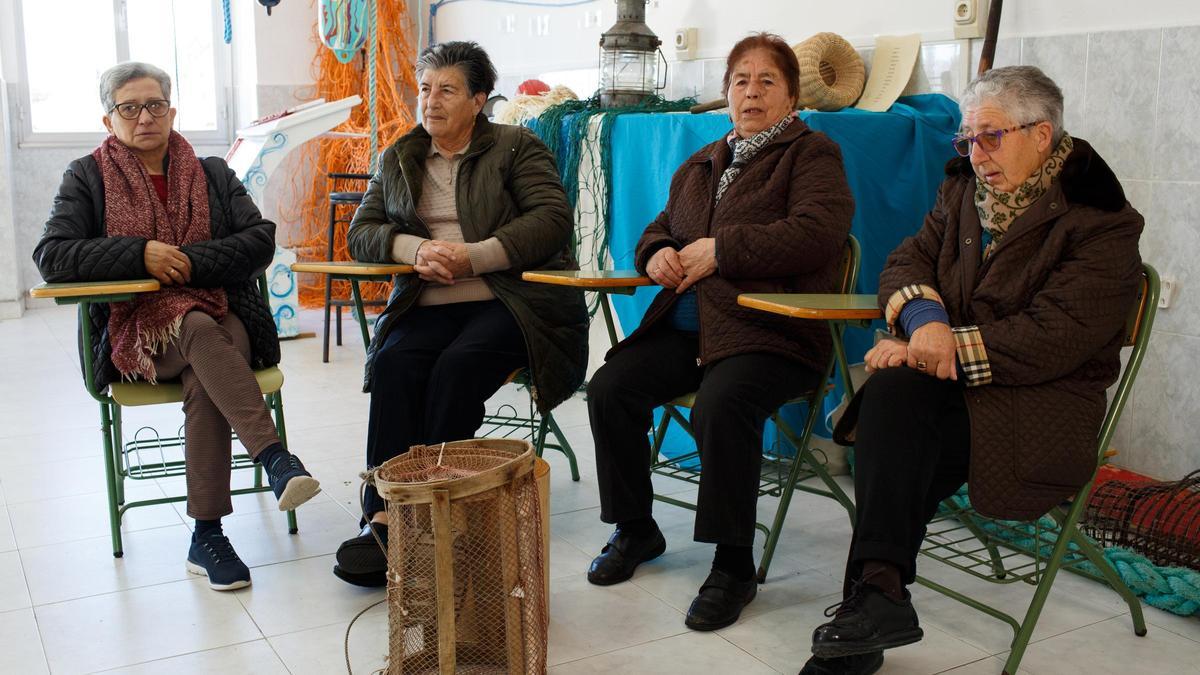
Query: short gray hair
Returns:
{"type": "Point", "coordinates": [123, 73]}
{"type": "Point", "coordinates": [1026, 93]}
{"type": "Point", "coordinates": [468, 57]}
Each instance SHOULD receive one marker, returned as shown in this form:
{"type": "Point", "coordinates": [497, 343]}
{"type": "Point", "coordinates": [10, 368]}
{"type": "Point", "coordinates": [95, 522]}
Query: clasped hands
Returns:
{"type": "Point", "coordinates": [683, 268]}
{"type": "Point", "coordinates": [930, 350]}
{"type": "Point", "coordinates": [443, 261]}
{"type": "Point", "coordinates": [167, 263]}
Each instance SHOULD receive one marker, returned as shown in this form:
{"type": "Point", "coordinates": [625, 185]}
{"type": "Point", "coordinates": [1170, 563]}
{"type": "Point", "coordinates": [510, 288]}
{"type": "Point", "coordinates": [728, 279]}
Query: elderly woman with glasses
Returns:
{"type": "Point", "coordinates": [143, 205]}
{"type": "Point", "coordinates": [1007, 311]}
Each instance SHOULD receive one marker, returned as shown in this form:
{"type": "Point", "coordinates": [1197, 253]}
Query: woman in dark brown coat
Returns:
{"type": "Point", "coordinates": [1008, 307]}
{"type": "Point", "coordinates": [766, 209]}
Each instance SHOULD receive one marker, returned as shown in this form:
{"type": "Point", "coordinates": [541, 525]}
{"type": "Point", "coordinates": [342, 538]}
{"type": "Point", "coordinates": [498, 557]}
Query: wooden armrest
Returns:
{"type": "Point", "coordinates": [826, 306]}
{"type": "Point", "coordinates": [352, 268]}
{"type": "Point", "coordinates": [103, 290]}
{"type": "Point", "coordinates": [595, 280]}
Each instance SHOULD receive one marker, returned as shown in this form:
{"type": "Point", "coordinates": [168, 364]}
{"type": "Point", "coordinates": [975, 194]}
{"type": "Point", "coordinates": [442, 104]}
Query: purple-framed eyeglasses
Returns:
{"type": "Point", "coordinates": [988, 140]}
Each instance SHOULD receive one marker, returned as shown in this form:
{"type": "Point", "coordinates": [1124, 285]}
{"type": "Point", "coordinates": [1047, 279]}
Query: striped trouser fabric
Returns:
{"type": "Point", "coordinates": [212, 360]}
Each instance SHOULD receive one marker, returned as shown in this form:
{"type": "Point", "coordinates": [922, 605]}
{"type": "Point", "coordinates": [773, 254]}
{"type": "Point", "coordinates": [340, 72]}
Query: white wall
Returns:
{"type": "Point", "coordinates": [11, 300]}
{"type": "Point", "coordinates": [571, 44]}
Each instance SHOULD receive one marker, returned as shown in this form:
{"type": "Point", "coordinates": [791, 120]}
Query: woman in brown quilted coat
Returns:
{"type": "Point", "coordinates": [143, 205]}
{"type": "Point", "coordinates": [765, 209]}
{"type": "Point", "coordinates": [1007, 309]}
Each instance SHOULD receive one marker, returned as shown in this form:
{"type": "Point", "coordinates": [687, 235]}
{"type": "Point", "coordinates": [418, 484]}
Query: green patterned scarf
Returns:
{"type": "Point", "coordinates": [997, 210]}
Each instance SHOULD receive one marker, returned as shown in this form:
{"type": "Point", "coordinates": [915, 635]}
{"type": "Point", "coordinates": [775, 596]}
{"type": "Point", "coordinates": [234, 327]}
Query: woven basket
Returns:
{"type": "Point", "coordinates": [832, 73]}
{"type": "Point", "coordinates": [466, 588]}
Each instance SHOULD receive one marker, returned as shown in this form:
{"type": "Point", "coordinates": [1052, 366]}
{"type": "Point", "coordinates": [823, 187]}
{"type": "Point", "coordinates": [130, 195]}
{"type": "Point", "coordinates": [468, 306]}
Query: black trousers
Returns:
{"type": "Point", "coordinates": [433, 374]}
{"type": "Point", "coordinates": [912, 450]}
{"type": "Point", "coordinates": [734, 398]}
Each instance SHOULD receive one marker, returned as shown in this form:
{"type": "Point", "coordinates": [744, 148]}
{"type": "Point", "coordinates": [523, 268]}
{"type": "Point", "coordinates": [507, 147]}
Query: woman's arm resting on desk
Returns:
{"type": "Point", "coordinates": [73, 246]}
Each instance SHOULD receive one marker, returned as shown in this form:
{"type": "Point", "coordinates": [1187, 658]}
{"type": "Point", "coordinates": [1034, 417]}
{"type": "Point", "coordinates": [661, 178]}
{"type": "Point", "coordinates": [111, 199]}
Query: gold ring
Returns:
{"type": "Point", "coordinates": [921, 365]}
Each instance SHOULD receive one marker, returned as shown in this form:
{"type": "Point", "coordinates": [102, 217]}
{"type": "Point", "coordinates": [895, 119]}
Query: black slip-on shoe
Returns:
{"type": "Point", "coordinates": [622, 554]}
{"type": "Point", "coordinates": [360, 560]}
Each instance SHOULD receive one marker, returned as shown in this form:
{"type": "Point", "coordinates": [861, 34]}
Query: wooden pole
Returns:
{"type": "Point", "coordinates": [989, 40]}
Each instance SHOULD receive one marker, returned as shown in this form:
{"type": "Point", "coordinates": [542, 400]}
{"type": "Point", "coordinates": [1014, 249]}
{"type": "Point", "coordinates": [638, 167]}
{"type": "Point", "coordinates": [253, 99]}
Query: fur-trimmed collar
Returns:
{"type": "Point", "coordinates": [1085, 178]}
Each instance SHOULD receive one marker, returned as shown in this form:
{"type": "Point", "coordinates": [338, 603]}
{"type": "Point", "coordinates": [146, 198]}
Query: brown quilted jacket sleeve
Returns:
{"type": "Point", "coordinates": [1082, 305]}
{"type": "Point", "coordinates": [813, 232]}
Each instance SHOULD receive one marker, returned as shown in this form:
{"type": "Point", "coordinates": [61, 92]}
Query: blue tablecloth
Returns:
{"type": "Point", "coordinates": [894, 162]}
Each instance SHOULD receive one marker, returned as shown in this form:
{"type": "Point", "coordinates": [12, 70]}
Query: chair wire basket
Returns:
{"type": "Point", "coordinates": [466, 590]}
{"type": "Point", "coordinates": [1160, 520]}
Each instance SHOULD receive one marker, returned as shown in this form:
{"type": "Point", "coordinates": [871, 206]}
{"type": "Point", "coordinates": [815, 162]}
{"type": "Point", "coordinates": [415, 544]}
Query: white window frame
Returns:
{"type": "Point", "coordinates": [28, 138]}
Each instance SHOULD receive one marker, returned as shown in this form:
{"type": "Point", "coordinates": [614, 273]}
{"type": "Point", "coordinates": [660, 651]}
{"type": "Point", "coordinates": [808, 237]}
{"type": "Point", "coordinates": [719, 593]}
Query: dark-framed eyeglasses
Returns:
{"type": "Point", "coordinates": [988, 140]}
{"type": "Point", "coordinates": [131, 111]}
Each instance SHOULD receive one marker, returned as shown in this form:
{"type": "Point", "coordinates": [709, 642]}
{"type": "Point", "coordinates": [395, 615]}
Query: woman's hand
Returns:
{"type": "Point", "coordinates": [665, 268]}
{"type": "Point", "coordinates": [699, 260]}
{"type": "Point", "coordinates": [886, 354]}
{"type": "Point", "coordinates": [167, 263]}
{"type": "Point", "coordinates": [932, 350]}
{"type": "Point", "coordinates": [442, 261]}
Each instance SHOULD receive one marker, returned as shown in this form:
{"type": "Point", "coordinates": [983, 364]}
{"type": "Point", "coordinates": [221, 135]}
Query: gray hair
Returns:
{"type": "Point", "coordinates": [469, 57]}
{"type": "Point", "coordinates": [1024, 92]}
{"type": "Point", "coordinates": [123, 73]}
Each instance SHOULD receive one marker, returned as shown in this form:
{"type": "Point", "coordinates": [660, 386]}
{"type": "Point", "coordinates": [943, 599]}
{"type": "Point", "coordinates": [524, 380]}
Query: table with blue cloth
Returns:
{"type": "Point", "coordinates": [894, 163]}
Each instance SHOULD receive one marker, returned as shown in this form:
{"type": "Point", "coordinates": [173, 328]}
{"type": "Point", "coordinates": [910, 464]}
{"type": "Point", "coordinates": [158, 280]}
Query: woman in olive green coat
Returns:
{"type": "Point", "coordinates": [470, 205]}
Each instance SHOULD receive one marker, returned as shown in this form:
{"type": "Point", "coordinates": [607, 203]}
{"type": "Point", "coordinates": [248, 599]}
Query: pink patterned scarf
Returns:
{"type": "Point", "coordinates": [142, 328]}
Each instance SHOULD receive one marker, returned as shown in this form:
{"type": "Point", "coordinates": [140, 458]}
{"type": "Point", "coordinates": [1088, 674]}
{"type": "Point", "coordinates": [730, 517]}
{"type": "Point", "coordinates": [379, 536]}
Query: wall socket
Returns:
{"type": "Point", "coordinates": [970, 19]}
{"type": "Point", "coordinates": [685, 43]}
{"type": "Point", "coordinates": [1166, 291]}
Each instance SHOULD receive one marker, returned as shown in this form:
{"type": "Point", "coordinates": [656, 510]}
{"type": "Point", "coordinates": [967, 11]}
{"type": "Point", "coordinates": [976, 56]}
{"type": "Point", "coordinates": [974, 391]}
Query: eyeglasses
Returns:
{"type": "Point", "coordinates": [131, 111]}
{"type": "Point", "coordinates": [988, 140]}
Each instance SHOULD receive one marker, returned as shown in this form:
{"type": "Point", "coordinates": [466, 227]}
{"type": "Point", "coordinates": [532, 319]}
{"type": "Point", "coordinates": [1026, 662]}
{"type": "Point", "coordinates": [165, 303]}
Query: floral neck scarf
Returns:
{"type": "Point", "coordinates": [997, 210]}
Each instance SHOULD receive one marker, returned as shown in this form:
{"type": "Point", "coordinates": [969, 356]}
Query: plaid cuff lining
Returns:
{"type": "Point", "coordinates": [972, 355]}
{"type": "Point", "coordinates": [901, 298]}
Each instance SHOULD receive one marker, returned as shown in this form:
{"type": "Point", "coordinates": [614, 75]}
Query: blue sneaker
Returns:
{"type": "Point", "coordinates": [292, 483]}
{"type": "Point", "coordinates": [213, 556]}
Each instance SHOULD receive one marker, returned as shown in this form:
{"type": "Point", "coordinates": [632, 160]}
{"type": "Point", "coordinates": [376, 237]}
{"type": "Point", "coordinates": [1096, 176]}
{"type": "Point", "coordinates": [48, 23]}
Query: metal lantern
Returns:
{"type": "Point", "coordinates": [630, 58]}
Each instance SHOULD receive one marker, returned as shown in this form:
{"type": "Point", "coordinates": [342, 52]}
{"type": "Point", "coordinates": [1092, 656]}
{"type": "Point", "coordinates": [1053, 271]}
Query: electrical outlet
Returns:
{"type": "Point", "coordinates": [591, 18]}
{"type": "Point", "coordinates": [1166, 291]}
{"type": "Point", "coordinates": [685, 43]}
{"type": "Point", "coordinates": [970, 19]}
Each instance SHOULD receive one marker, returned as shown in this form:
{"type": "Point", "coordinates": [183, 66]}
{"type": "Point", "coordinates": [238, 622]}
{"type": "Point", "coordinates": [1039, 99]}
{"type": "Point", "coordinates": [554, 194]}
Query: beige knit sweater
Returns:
{"type": "Point", "coordinates": [438, 207]}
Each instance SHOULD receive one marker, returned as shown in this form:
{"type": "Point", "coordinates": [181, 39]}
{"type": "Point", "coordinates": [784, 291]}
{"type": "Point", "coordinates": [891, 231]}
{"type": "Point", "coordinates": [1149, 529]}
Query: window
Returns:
{"type": "Point", "coordinates": [69, 43]}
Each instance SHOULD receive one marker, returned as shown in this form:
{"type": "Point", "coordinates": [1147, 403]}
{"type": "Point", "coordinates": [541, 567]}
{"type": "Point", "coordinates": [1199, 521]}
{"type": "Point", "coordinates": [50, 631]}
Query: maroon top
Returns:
{"type": "Point", "coordinates": [160, 187]}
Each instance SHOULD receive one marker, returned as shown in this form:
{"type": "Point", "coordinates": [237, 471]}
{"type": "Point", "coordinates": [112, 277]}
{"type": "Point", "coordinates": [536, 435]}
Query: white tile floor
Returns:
{"type": "Point", "coordinates": [67, 606]}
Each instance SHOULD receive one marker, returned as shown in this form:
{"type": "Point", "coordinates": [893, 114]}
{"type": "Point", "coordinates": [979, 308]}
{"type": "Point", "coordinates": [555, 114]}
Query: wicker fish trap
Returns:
{"type": "Point", "coordinates": [465, 591]}
{"type": "Point", "coordinates": [1160, 520]}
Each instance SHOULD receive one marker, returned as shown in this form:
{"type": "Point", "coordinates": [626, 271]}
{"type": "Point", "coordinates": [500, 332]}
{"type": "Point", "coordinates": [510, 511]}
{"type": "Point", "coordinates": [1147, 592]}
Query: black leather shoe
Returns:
{"type": "Point", "coordinates": [360, 561]}
{"type": "Point", "coordinates": [622, 554]}
{"type": "Point", "coordinates": [867, 621]}
{"type": "Point", "coordinates": [859, 664]}
{"type": "Point", "coordinates": [720, 601]}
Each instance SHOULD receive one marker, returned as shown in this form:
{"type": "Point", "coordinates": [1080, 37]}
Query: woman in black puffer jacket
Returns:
{"type": "Point", "coordinates": [143, 205]}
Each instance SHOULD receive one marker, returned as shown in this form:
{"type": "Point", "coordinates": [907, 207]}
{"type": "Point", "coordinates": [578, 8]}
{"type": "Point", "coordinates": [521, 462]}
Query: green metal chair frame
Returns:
{"type": "Point", "coordinates": [124, 460]}
{"type": "Point", "coordinates": [781, 474]}
{"type": "Point", "coordinates": [1003, 552]}
{"type": "Point", "coordinates": [538, 427]}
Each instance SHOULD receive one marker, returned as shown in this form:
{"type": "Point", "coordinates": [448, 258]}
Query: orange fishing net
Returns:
{"type": "Point", "coordinates": [396, 88]}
